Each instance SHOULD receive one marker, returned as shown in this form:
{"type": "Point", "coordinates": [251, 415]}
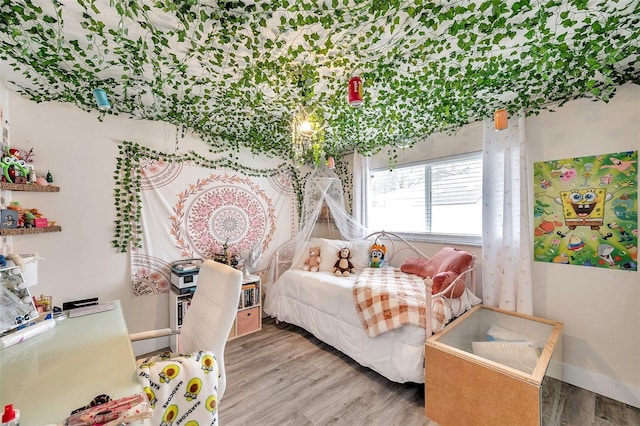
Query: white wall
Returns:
{"type": "Point", "coordinates": [80, 151]}
{"type": "Point", "coordinates": [600, 308]}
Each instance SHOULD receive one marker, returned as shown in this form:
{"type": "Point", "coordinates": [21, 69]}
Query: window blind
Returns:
{"type": "Point", "coordinates": [438, 196]}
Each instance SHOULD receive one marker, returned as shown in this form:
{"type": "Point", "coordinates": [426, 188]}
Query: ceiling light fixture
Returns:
{"type": "Point", "coordinates": [301, 133]}
{"type": "Point", "coordinates": [101, 99]}
{"type": "Point", "coordinates": [500, 119]}
{"type": "Point", "coordinates": [304, 125]}
{"type": "Point", "coordinates": [355, 91]}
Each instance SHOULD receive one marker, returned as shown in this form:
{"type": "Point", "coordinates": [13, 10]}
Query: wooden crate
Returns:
{"type": "Point", "coordinates": [462, 388]}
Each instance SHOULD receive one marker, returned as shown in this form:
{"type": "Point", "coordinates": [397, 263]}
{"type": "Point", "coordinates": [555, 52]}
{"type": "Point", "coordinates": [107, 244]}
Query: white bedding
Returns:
{"type": "Point", "coordinates": [322, 304]}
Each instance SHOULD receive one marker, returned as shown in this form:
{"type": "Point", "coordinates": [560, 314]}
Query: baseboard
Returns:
{"type": "Point", "coordinates": [600, 384]}
{"type": "Point", "coordinates": [150, 345]}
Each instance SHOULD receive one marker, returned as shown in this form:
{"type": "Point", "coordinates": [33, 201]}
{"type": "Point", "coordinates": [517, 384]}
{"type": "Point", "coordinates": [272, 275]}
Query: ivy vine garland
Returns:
{"type": "Point", "coordinates": [128, 204]}
{"type": "Point", "coordinates": [235, 72]}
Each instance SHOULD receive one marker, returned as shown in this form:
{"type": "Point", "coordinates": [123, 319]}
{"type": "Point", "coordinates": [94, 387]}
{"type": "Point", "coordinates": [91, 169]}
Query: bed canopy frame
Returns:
{"type": "Point", "coordinates": [322, 187]}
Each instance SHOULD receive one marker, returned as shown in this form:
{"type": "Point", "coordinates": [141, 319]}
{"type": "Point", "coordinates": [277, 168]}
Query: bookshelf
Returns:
{"type": "Point", "coordinates": [248, 318]}
{"type": "Point", "coordinates": [178, 306]}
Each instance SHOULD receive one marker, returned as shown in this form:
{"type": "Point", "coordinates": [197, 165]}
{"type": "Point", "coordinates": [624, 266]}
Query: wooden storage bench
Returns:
{"type": "Point", "coordinates": [462, 388]}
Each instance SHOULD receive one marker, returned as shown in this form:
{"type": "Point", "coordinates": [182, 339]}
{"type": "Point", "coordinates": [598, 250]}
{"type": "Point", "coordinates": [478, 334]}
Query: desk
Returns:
{"type": "Point", "coordinates": [51, 374]}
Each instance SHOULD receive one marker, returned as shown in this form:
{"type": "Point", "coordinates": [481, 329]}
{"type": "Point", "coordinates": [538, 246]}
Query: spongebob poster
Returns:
{"type": "Point", "coordinates": [586, 211]}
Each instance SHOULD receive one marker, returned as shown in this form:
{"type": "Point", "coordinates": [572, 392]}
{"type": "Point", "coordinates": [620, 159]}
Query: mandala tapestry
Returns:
{"type": "Point", "coordinates": [586, 211]}
{"type": "Point", "coordinates": [194, 212]}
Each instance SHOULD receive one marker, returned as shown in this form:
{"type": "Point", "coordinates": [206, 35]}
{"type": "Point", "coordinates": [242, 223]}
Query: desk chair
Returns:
{"type": "Point", "coordinates": [208, 320]}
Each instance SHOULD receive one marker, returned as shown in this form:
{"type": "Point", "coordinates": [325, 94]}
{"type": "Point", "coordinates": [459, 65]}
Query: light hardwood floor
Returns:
{"type": "Point", "coordinates": [283, 375]}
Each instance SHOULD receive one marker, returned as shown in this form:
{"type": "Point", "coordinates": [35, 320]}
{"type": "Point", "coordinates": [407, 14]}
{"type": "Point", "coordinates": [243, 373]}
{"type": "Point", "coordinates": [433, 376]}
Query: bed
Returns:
{"type": "Point", "coordinates": [325, 305]}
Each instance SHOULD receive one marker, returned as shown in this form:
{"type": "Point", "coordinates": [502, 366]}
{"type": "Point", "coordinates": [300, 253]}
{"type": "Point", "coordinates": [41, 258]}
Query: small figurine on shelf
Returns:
{"type": "Point", "coordinates": [29, 219]}
{"type": "Point", "coordinates": [225, 251]}
{"type": "Point", "coordinates": [12, 167]}
{"type": "Point", "coordinates": [15, 205]}
{"type": "Point", "coordinates": [49, 177]}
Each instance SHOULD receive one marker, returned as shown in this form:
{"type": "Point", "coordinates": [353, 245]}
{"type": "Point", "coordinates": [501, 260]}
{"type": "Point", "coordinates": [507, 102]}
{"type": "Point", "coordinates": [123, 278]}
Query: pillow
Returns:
{"type": "Point", "coordinates": [329, 253]}
{"type": "Point", "coordinates": [444, 267]}
{"type": "Point", "coordinates": [415, 265]}
{"type": "Point", "coordinates": [442, 280]}
{"type": "Point", "coordinates": [497, 333]}
{"type": "Point", "coordinates": [360, 254]}
{"type": "Point", "coordinates": [519, 355]}
{"type": "Point", "coordinates": [444, 310]}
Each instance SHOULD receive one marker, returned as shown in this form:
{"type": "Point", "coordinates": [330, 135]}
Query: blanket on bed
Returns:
{"type": "Point", "coordinates": [387, 298]}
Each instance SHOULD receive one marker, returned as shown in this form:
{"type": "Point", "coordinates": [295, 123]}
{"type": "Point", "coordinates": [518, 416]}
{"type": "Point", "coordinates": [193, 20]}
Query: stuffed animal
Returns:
{"type": "Point", "coordinates": [312, 262]}
{"type": "Point", "coordinates": [343, 266]}
{"type": "Point", "coordinates": [376, 255]}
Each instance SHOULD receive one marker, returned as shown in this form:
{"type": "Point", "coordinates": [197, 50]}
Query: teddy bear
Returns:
{"type": "Point", "coordinates": [312, 262]}
{"type": "Point", "coordinates": [343, 266]}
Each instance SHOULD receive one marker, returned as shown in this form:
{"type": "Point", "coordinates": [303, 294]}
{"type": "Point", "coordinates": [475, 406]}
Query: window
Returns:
{"type": "Point", "coordinates": [440, 200]}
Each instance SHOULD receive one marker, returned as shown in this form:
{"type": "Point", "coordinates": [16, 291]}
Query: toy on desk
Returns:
{"type": "Point", "coordinates": [44, 304]}
{"type": "Point", "coordinates": [10, 416]}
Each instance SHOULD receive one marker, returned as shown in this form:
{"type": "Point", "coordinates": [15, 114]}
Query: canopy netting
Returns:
{"type": "Point", "coordinates": [322, 187]}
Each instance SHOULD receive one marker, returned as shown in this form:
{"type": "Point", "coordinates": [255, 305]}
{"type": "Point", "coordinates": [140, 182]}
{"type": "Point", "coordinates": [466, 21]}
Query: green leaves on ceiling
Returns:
{"type": "Point", "coordinates": [234, 72]}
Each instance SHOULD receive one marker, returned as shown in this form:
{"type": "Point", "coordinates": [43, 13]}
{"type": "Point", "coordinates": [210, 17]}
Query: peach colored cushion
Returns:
{"type": "Point", "coordinates": [415, 265]}
{"type": "Point", "coordinates": [443, 268]}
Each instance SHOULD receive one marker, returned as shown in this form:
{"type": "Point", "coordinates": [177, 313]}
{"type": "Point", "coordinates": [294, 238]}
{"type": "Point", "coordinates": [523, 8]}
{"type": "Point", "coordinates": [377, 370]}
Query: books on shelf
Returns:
{"type": "Point", "coordinates": [183, 305]}
{"type": "Point", "coordinates": [249, 296]}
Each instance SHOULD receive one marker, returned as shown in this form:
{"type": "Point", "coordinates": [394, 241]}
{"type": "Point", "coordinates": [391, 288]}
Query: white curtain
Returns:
{"type": "Point", "coordinates": [361, 171]}
{"type": "Point", "coordinates": [506, 236]}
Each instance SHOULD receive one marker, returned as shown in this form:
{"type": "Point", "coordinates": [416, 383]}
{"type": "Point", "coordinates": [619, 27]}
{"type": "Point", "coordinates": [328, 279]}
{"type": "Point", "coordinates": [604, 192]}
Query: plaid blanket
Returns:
{"type": "Point", "coordinates": [387, 298]}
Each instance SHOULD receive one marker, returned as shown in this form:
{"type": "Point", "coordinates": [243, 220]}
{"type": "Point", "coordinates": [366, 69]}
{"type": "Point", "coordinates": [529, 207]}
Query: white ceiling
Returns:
{"type": "Point", "coordinates": [236, 71]}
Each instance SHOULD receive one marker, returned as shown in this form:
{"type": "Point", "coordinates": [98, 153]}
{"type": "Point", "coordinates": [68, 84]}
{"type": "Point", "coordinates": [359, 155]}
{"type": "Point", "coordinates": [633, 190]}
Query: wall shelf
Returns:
{"type": "Point", "coordinates": [28, 187]}
{"type": "Point", "coordinates": [29, 231]}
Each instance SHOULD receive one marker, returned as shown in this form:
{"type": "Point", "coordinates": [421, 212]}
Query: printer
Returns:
{"type": "Point", "coordinates": [184, 274]}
